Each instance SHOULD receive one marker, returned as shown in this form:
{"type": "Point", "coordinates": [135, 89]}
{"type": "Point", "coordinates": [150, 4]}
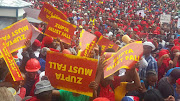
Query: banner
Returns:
{"type": "Point", "coordinates": [165, 18]}
{"type": "Point", "coordinates": [8, 58]}
{"type": "Point", "coordinates": [70, 72]}
{"type": "Point", "coordinates": [87, 42]}
{"type": "Point", "coordinates": [16, 34]}
{"type": "Point", "coordinates": [48, 10]}
{"type": "Point", "coordinates": [106, 43]}
{"type": "Point", "coordinates": [60, 28]}
{"type": "Point", "coordinates": [126, 57]}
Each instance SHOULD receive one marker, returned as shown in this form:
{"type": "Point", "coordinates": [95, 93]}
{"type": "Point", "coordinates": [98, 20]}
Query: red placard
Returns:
{"type": "Point", "coordinates": [126, 57]}
{"type": "Point", "coordinates": [60, 28]}
{"type": "Point", "coordinates": [48, 10]}
{"type": "Point", "coordinates": [87, 42]}
{"type": "Point", "coordinates": [106, 43]}
{"type": "Point", "coordinates": [70, 72]}
{"type": "Point", "coordinates": [16, 34]}
{"type": "Point", "coordinates": [8, 58]}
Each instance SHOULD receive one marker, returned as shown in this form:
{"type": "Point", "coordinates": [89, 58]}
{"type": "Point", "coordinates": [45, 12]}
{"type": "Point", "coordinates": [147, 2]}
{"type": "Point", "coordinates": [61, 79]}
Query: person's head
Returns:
{"type": "Point", "coordinates": [148, 48]}
{"type": "Point", "coordinates": [153, 95]}
{"type": "Point", "coordinates": [49, 42]}
{"type": "Point", "coordinates": [151, 78]}
{"type": "Point", "coordinates": [178, 86]}
{"type": "Point", "coordinates": [43, 90]}
{"type": "Point", "coordinates": [6, 95]}
{"type": "Point", "coordinates": [32, 66]}
{"type": "Point", "coordinates": [43, 52]}
{"type": "Point", "coordinates": [101, 99]}
{"type": "Point", "coordinates": [36, 44]}
{"type": "Point", "coordinates": [174, 75]}
{"type": "Point", "coordinates": [175, 49]}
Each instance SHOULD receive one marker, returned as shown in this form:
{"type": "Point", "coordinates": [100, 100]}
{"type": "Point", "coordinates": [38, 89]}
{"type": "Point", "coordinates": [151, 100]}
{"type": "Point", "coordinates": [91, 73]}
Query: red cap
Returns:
{"type": "Point", "coordinates": [47, 40]}
{"type": "Point", "coordinates": [101, 99]}
{"type": "Point", "coordinates": [37, 43]}
{"type": "Point", "coordinates": [97, 33]}
{"type": "Point", "coordinates": [178, 81]}
{"type": "Point", "coordinates": [118, 35]}
{"type": "Point", "coordinates": [135, 29]}
{"type": "Point", "coordinates": [113, 19]}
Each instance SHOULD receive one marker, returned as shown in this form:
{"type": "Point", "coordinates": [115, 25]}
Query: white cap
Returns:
{"type": "Point", "coordinates": [149, 44]}
{"type": "Point", "coordinates": [73, 12]}
{"type": "Point", "coordinates": [85, 13]}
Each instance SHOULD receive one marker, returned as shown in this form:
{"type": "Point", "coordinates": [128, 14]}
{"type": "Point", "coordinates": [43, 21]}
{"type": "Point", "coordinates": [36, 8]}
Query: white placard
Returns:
{"type": "Point", "coordinates": [165, 18]}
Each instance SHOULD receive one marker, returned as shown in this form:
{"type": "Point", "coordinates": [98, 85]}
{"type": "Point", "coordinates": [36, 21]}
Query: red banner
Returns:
{"type": "Point", "coordinates": [106, 43]}
{"type": "Point", "coordinates": [16, 34]}
{"type": "Point", "coordinates": [48, 10]}
{"type": "Point", "coordinates": [13, 68]}
{"type": "Point", "coordinates": [126, 57]}
{"type": "Point", "coordinates": [70, 72]}
{"type": "Point", "coordinates": [87, 42]}
{"type": "Point", "coordinates": [60, 28]}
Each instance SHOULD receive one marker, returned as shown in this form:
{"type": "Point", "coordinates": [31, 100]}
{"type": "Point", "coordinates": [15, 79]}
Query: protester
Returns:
{"type": "Point", "coordinates": [165, 85]}
{"type": "Point", "coordinates": [152, 63]}
{"type": "Point", "coordinates": [32, 76]}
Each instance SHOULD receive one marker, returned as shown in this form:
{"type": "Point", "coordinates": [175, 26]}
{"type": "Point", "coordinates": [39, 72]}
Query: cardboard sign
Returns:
{"type": "Point", "coordinates": [48, 10]}
{"type": "Point", "coordinates": [16, 34]}
{"type": "Point", "coordinates": [178, 23]}
{"type": "Point", "coordinates": [165, 18]}
{"type": "Point", "coordinates": [60, 28]}
{"type": "Point", "coordinates": [35, 33]}
{"type": "Point", "coordinates": [106, 43]}
{"type": "Point", "coordinates": [87, 42]}
{"type": "Point", "coordinates": [8, 58]}
{"type": "Point", "coordinates": [126, 57]}
{"type": "Point", "coordinates": [70, 72]}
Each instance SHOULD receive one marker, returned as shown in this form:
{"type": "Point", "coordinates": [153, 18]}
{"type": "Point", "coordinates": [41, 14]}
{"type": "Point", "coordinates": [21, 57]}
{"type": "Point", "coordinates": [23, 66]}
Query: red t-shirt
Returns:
{"type": "Point", "coordinates": [108, 91]}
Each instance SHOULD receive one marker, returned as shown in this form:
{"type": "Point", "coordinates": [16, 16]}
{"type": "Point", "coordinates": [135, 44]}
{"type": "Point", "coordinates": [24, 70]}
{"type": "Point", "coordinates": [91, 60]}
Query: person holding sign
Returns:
{"type": "Point", "coordinates": [70, 96]}
{"type": "Point", "coordinates": [110, 86]}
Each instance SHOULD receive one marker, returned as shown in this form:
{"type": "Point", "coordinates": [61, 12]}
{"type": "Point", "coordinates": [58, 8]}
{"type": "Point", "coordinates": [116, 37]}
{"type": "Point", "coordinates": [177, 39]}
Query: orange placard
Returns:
{"type": "Point", "coordinates": [87, 42]}
{"type": "Point", "coordinates": [13, 68]}
{"type": "Point", "coordinates": [16, 34]}
{"type": "Point", "coordinates": [60, 28]}
{"type": "Point", "coordinates": [47, 11]}
{"type": "Point", "coordinates": [106, 43]}
{"type": "Point", "coordinates": [70, 72]}
{"type": "Point", "coordinates": [126, 57]}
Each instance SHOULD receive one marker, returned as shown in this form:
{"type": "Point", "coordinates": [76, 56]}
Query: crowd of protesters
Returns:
{"type": "Point", "coordinates": [157, 78]}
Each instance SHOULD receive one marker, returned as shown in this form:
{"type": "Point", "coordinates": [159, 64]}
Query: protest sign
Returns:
{"type": "Point", "coordinates": [87, 42]}
{"type": "Point", "coordinates": [48, 10]}
{"type": "Point", "coordinates": [106, 43]}
{"type": "Point", "coordinates": [165, 18]}
{"type": "Point", "coordinates": [70, 72]}
{"type": "Point", "coordinates": [8, 58]}
{"type": "Point", "coordinates": [126, 57]}
{"type": "Point", "coordinates": [60, 28]}
{"type": "Point", "coordinates": [141, 12]}
{"type": "Point", "coordinates": [16, 34]}
{"type": "Point", "coordinates": [178, 23]}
